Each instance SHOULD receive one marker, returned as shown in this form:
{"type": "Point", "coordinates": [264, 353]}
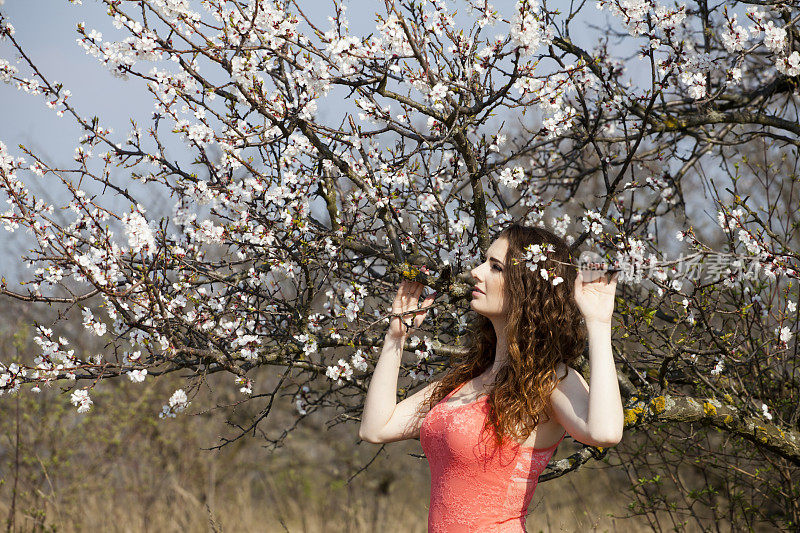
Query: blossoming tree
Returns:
{"type": "Point", "coordinates": [665, 140]}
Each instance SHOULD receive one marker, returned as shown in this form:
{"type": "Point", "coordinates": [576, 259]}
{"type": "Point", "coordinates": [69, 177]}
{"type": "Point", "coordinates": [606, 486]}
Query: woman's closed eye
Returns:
{"type": "Point", "coordinates": [495, 267]}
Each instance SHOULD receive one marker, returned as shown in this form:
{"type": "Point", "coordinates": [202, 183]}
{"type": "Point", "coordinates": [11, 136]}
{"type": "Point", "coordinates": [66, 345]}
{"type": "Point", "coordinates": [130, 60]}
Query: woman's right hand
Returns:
{"type": "Point", "coordinates": [407, 299]}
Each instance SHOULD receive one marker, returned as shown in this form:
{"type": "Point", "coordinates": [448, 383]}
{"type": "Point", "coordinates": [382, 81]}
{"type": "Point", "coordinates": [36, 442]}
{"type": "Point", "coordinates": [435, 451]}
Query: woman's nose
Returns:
{"type": "Point", "coordinates": [472, 273]}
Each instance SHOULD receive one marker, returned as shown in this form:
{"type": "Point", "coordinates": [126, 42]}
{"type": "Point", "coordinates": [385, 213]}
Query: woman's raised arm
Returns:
{"type": "Point", "coordinates": [592, 413]}
{"type": "Point", "coordinates": [383, 420]}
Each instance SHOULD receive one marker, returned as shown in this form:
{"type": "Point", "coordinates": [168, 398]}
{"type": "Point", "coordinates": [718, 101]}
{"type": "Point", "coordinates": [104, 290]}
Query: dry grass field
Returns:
{"type": "Point", "coordinates": [119, 468]}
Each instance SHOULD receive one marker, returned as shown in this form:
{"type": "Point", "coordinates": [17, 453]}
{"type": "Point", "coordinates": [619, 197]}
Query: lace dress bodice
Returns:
{"type": "Point", "coordinates": [474, 485]}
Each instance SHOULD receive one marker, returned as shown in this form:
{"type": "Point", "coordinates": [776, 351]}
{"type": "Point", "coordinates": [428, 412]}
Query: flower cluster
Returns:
{"type": "Point", "coordinates": [528, 31]}
{"type": "Point", "coordinates": [246, 385]}
{"type": "Point", "coordinates": [353, 296]}
{"type": "Point", "coordinates": [733, 35]}
{"type": "Point", "coordinates": [343, 370]}
{"type": "Point", "coordinates": [178, 402]}
{"type": "Point", "coordinates": [511, 177]}
{"type": "Point", "coordinates": [80, 399]}
{"type": "Point", "coordinates": [437, 96]}
{"type": "Point", "coordinates": [139, 232]}
{"type": "Point", "coordinates": [137, 376]}
{"type": "Point", "coordinates": [593, 222]}
{"type": "Point", "coordinates": [10, 378]}
{"type": "Point", "coordinates": [537, 253]}
{"type": "Point", "coordinates": [95, 326]}
{"type": "Point", "coordinates": [423, 350]}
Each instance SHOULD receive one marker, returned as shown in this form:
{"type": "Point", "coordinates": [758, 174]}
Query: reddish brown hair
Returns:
{"type": "Point", "coordinates": [544, 328]}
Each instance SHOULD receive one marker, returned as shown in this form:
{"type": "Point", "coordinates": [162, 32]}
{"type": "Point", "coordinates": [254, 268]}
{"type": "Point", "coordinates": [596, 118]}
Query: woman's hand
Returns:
{"type": "Point", "coordinates": [407, 299]}
{"type": "Point", "coordinates": [594, 294]}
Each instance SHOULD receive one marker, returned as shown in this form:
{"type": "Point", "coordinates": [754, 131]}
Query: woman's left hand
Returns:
{"type": "Point", "coordinates": [594, 294]}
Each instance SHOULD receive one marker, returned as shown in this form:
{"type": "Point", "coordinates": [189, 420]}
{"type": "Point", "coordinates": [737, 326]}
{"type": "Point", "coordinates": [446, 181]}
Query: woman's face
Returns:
{"type": "Point", "coordinates": [489, 277]}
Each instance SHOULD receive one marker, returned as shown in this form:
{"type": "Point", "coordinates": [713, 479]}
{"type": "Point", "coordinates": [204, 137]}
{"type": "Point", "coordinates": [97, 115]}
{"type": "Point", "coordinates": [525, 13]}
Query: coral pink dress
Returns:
{"type": "Point", "coordinates": [474, 485]}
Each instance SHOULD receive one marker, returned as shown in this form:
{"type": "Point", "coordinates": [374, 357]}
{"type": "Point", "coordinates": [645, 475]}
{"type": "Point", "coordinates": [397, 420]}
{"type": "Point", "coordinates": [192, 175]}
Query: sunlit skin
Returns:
{"type": "Point", "coordinates": [490, 279]}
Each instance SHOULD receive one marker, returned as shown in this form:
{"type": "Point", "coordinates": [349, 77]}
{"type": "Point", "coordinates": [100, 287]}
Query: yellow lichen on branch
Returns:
{"type": "Point", "coordinates": [710, 411]}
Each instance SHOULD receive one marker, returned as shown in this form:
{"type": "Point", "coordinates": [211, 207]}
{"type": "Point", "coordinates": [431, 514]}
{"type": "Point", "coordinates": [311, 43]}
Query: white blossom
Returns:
{"type": "Point", "coordinates": [80, 399]}
{"type": "Point", "coordinates": [427, 202]}
{"type": "Point", "coordinates": [137, 376]}
{"type": "Point", "coordinates": [593, 222]}
{"type": "Point", "coordinates": [560, 226]}
{"type": "Point", "coordinates": [789, 66]}
{"type": "Point", "coordinates": [246, 385]}
{"type": "Point", "coordinates": [758, 16]}
{"type": "Point", "coordinates": [528, 31]}
{"type": "Point", "coordinates": [785, 333]}
{"type": "Point", "coordinates": [309, 343]}
{"type": "Point", "coordinates": [95, 326]}
{"type": "Point", "coordinates": [178, 401]}
{"type": "Point", "coordinates": [733, 35]}
{"type": "Point", "coordinates": [695, 83]}
{"type": "Point", "coordinates": [534, 253]}
{"type": "Point", "coordinates": [424, 348]}
{"type": "Point", "coordinates": [300, 399]}
{"type": "Point", "coordinates": [511, 177]}
{"type": "Point", "coordinates": [774, 37]}
{"type": "Point", "coordinates": [358, 361]}
{"type": "Point", "coordinates": [341, 370]}
{"type": "Point", "coordinates": [668, 19]}
{"type": "Point", "coordinates": [139, 233]}
{"type": "Point", "coordinates": [392, 31]}
{"type": "Point", "coordinates": [633, 13]}
{"type": "Point", "coordinates": [6, 70]}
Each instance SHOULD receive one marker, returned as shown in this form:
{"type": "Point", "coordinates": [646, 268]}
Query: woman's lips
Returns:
{"type": "Point", "coordinates": [476, 291]}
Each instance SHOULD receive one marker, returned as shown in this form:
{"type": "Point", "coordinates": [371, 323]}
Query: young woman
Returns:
{"type": "Point", "coordinates": [514, 384]}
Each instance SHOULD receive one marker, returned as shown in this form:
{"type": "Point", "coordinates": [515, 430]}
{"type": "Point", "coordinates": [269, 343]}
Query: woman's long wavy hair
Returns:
{"type": "Point", "coordinates": [544, 328]}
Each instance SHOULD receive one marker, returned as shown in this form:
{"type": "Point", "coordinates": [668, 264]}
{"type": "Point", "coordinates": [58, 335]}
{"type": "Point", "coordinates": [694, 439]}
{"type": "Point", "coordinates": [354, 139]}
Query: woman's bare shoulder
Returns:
{"type": "Point", "coordinates": [569, 379]}
{"type": "Point", "coordinates": [563, 371]}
